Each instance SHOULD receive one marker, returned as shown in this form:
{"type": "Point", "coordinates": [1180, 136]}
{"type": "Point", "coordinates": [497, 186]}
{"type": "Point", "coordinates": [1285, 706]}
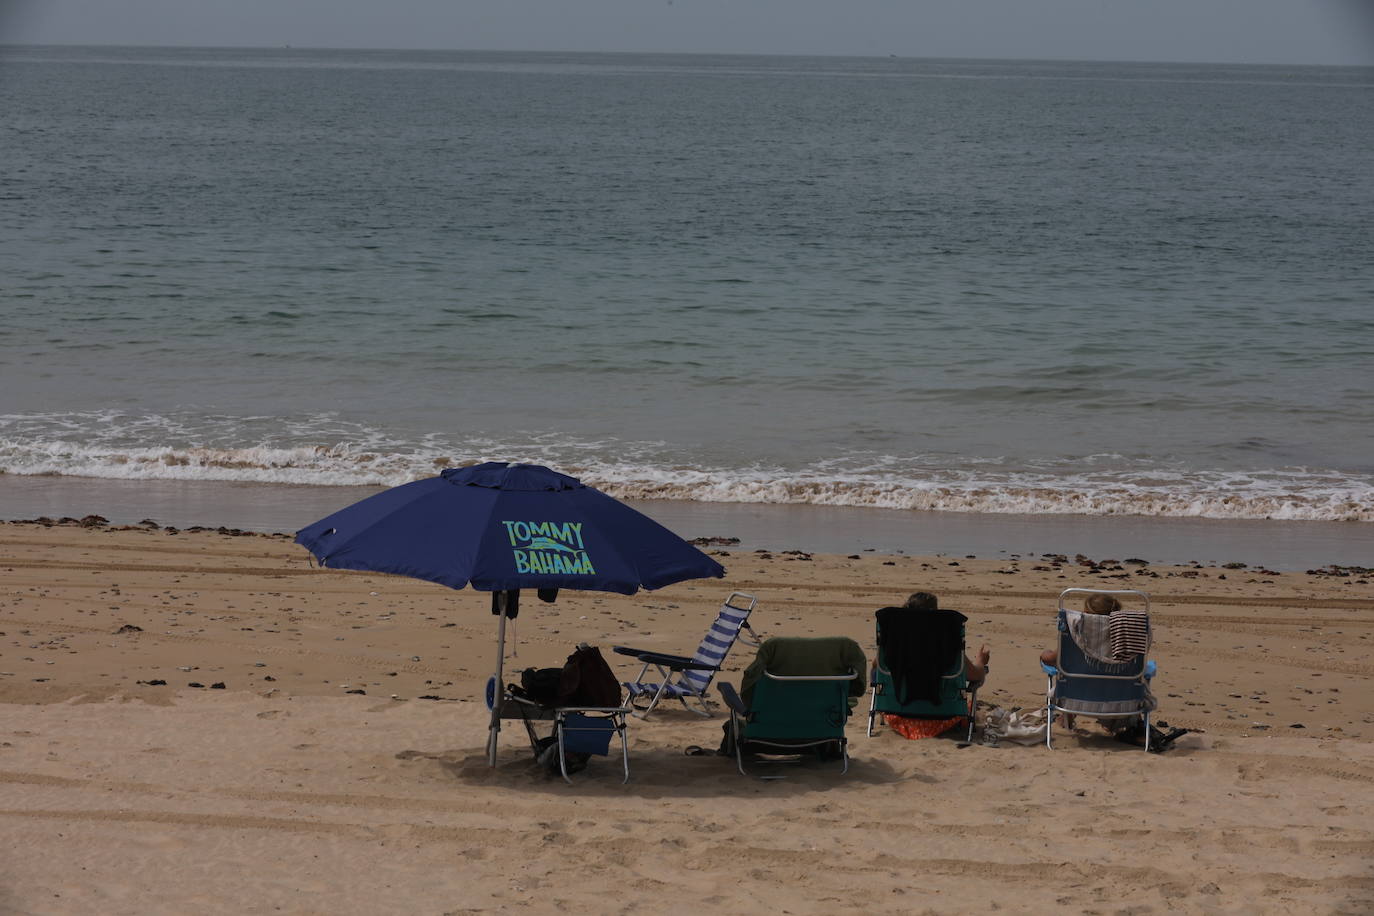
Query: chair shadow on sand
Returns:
{"type": "Point", "coordinates": [656, 772]}
{"type": "Point", "coordinates": [1085, 738]}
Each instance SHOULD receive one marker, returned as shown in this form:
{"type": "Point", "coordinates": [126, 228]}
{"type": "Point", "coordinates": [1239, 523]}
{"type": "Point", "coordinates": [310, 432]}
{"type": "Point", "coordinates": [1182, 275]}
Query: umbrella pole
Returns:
{"type": "Point", "coordinates": [500, 606]}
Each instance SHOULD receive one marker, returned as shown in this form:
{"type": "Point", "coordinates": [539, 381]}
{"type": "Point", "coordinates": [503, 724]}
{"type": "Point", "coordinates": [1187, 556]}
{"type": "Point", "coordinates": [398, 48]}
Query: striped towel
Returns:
{"type": "Point", "coordinates": [1090, 632]}
{"type": "Point", "coordinates": [1128, 633]}
{"type": "Point", "coordinates": [1110, 640]}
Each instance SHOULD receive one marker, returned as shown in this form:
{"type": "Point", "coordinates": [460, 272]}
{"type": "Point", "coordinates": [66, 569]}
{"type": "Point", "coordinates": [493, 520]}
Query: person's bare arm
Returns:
{"type": "Point", "coordinates": [978, 669]}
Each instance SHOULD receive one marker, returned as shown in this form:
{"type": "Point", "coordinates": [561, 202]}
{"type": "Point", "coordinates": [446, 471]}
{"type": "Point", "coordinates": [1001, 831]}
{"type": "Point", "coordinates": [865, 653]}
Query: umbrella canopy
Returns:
{"type": "Point", "coordinates": [498, 527]}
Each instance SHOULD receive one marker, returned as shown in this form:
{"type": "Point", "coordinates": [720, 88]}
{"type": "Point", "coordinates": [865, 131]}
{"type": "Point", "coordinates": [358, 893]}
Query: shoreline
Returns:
{"type": "Point", "coordinates": [285, 508]}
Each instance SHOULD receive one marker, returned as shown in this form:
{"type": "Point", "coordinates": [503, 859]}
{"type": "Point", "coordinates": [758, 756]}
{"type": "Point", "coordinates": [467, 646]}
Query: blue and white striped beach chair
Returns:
{"type": "Point", "coordinates": [682, 678]}
{"type": "Point", "coordinates": [1085, 686]}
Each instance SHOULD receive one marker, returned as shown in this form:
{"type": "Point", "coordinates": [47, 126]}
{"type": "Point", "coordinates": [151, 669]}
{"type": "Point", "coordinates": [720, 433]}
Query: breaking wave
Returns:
{"type": "Point", "coordinates": [1092, 485]}
{"type": "Point", "coordinates": [1064, 495]}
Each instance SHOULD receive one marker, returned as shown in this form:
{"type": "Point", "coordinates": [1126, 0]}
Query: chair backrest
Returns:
{"type": "Point", "coordinates": [953, 674]}
{"type": "Point", "coordinates": [1086, 679]}
{"type": "Point", "coordinates": [804, 688]}
{"type": "Point", "coordinates": [952, 701]}
{"type": "Point", "coordinates": [799, 708]}
{"type": "Point", "coordinates": [721, 635]}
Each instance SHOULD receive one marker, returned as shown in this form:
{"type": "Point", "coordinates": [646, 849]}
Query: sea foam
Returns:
{"type": "Point", "coordinates": [982, 485]}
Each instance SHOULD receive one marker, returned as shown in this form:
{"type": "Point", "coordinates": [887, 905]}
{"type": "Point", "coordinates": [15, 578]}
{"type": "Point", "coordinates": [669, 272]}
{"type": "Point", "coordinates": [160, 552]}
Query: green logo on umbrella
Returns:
{"type": "Point", "coordinates": [549, 547]}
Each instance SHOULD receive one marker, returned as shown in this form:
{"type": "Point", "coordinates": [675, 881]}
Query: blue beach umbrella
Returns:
{"type": "Point", "coordinates": [504, 527]}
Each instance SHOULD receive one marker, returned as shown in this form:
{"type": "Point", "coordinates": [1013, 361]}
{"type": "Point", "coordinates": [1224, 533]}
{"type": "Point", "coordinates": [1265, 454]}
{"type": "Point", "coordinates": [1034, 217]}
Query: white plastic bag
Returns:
{"type": "Point", "coordinates": [1018, 726]}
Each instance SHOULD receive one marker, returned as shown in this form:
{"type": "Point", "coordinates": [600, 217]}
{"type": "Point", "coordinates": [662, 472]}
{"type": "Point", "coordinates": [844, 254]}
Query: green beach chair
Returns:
{"type": "Point", "coordinates": [796, 699]}
{"type": "Point", "coordinates": [900, 693]}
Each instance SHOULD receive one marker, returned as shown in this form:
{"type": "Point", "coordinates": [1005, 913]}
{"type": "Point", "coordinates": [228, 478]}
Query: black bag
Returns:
{"type": "Point", "coordinates": [586, 680]}
{"type": "Point", "coordinates": [541, 685]}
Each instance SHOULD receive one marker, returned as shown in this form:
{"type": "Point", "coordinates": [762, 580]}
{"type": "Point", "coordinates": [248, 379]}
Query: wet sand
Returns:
{"type": "Point", "coordinates": [289, 790]}
{"type": "Point", "coordinates": [263, 507]}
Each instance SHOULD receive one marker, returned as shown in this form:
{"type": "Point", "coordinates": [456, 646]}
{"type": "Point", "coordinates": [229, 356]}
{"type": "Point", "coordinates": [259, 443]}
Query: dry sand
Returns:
{"type": "Point", "coordinates": [285, 793]}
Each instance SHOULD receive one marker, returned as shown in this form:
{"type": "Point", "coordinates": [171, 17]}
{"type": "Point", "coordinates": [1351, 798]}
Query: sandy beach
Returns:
{"type": "Point", "coordinates": [317, 746]}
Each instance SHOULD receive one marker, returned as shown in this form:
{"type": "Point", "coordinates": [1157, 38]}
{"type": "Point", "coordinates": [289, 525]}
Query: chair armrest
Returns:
{"type": "Point", "coordinates": [1049, 669]}
{"type": "Point", "coordinates": [811, 677]}
{"type": "Point", "coordinates": [675, 662]}
{"type": "Point", "coordinates": [732, 699]}
{"type": "Point", "coordinates": [523, 701]}
{"type": "Point", "coordinates": [514, 707]}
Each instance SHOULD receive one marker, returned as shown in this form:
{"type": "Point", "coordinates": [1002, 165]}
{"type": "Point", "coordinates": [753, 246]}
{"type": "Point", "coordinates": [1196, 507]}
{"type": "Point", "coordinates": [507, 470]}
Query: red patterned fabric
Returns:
{"type": "Point", "coordinates": [921, 728]}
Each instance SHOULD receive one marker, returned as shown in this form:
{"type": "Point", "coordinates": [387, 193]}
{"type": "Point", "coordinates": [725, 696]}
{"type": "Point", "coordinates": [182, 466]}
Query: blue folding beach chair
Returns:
{"type": "Point", "coordinates": [577, 730]}
{"type": "Point", "coordinates": [1084, 686]}
{"type": "Point", "coordinates": [682, 678]}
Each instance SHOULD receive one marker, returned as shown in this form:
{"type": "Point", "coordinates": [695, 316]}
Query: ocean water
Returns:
{"type": "Point", "coordinates": [967, 286]}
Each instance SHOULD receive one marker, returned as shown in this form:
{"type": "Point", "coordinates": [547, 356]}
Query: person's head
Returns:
{"type": "Point", "coordinates": [922, 601]}
{"type": "Point", "coordinates": [1101, 604]}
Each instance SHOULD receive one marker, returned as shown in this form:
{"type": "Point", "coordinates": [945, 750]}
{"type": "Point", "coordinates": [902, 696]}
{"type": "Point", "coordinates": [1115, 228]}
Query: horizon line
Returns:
{"type": "Point", "coordinates": [890, 56]}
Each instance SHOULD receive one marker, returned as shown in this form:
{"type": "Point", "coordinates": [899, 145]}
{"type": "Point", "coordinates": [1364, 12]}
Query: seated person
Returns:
{"type": "Point", "coordinates": [1093, 604]}
{"type": "Point", "coordinates": [1124, 727]}
{"type": "Point", "coordinates": [977, 670]}
{"type": "Point", "coordinates": [924, 648]}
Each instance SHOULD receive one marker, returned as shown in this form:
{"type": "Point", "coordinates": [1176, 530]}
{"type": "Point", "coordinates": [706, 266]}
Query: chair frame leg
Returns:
{"type": "Point", "coordinates": [665, 675]}
{"type": "Point", "coordinates": [972, 713]}
{"type": "Point", "coordinates": [624, 751]}
{"type": "Point", "coordinates": [533, 736]}
{"type": "Point", "coordinates": [620, 727]}
{"type": "Point", "coordinates": [872, 708]}
{"type": "Point", "coordinates": [704, 711]}
{"type": "Point", "coordinates": [562, 754]}
{"type": "Point", "coordinates": [1049, 715]}
{"type": "Point", "coordinates": [735, 740]}
{"type": "Point", "coordinates": [643, 713]}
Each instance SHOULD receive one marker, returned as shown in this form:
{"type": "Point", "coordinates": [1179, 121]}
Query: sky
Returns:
{"type": "Point", "coordinates": [1336, 32]}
